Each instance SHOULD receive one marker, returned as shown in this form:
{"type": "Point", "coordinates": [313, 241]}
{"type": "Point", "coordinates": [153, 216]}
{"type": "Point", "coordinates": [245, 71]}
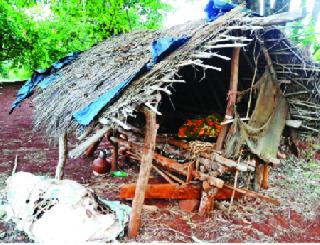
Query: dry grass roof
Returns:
{"type": "Point", "coordinates": [110, 62]}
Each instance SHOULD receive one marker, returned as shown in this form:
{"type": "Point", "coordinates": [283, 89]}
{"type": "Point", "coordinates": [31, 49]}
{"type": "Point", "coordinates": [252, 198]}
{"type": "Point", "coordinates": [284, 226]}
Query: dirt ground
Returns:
{"type": "Point", "coordinates": [296, 184]}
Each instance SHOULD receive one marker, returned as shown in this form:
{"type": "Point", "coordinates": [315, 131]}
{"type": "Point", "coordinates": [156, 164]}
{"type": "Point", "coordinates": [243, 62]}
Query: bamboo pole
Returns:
{"type": "Point", "coordinates": [63, 153]}
{"type": "Point", "coordinates": [145, 167]}
{"type": "Point", "coordinates": [231, 96]}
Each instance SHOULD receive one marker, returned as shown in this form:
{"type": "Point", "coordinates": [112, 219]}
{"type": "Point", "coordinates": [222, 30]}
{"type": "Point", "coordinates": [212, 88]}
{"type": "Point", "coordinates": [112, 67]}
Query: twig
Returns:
{"type": "Point", "coordinates": [233, 191]}
{"type": "Point", "coordinates": [15, 165]}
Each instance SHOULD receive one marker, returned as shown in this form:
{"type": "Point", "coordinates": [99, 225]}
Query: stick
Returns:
{"type": "Point", "coordinates": [63, 153]}
{"type": "Point", "coordinates": [78, 151]}
{"type": "Point", "coordinates": [162, 174]}
{"type": "Point", "coordinates": [233, 191]}
{"type": "Point", "coordinates": [231, 45]}
{"type": "Point", "coordinates": [175, 178]}
{"type": "Point", "coordinates": [231, 96]}
{"type": "Point", "coordinates": [253, 194]}
{"type": "Point", "coordinates": [15, 165]}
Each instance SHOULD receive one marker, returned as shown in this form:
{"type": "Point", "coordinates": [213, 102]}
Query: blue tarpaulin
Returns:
{"type": "Point", "coordinates": [217, 8]}
{"type": "Point", "coordinates": [160, 48]}
{"type": "Point", "coordinates": [163, 46]}
{"type": "Point", "coordinates": [86, 114]}
{"type": "Point", "coordinates": [42, 78]}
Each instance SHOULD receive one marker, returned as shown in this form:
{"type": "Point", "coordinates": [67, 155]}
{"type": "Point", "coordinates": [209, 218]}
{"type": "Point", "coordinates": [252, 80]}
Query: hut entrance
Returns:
{"type": "Point", "coordinates": [203, 98]}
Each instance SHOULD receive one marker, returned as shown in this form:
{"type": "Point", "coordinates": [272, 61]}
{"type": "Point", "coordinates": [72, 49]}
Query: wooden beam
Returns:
{"type": "Point", "coordinates": [145, 167]}
{"type": "Point", "coordinates": [80, 149]}
{"type": "Point", "coordinates": [174, 191]}
{"type": "Point", "coordinates": [231, 96]}
{"type": "Point", "coordinates": [63, 154]}
{"type": "Point", "coordinates": [162, 191]}
{"type": "Point", "coordinates": [276, 19]}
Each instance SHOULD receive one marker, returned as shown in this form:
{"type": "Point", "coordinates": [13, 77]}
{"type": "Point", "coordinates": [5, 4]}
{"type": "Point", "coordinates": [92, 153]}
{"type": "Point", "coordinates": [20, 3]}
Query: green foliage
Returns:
{"type": "Point", "coordinates": [31, 41]}
{"type": "Point", "coordinates": [17, 35]}
{"type": "Point", "coordinates": [306, 36]}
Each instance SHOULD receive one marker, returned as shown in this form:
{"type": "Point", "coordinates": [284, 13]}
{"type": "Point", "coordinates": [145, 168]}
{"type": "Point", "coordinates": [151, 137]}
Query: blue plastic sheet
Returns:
{"type": "Point", "coordinates": [163, 46]}
{"type": "Point", "coordinates": [217, 8]}
{"type": "Point", "coordinates": [88, 113]}
{"type": "Point", "coordinates": [160, 48]}
{"type": "Point", "coordinates": [42, 78]}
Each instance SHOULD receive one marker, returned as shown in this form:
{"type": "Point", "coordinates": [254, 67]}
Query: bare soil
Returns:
{"type": "Point", "coordinates": [296, 184]}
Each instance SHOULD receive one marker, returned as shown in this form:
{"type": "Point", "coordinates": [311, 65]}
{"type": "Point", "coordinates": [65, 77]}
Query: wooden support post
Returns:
{"type": "Point", "coordinates": [63, 154]}
{"type": "Point", "coordinates": [145, 167]}
{"type": "Point", "coordinates": [207, 199]}
{"type": "Point", "coordinates": [115, 157]}
{"type": "Point", "coordinates": [231, 97]}
{"type": "Point", "coordinates": [258, 176]}
{"type": "Point", "coordinates": [159, 191]}
{"type": "Point", "coordinates": [115, 150]}
{"type": "Point", "coordinates": [265, 179]}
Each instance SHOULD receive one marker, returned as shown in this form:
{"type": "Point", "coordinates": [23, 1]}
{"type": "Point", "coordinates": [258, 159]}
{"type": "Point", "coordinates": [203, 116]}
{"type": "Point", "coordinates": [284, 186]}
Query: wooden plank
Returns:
{"type": "Point", "coordinates": [151, 129]}
{"type": "Point", "coordinates": [162, 191]}
{"type": "Point", "coordinates": [174, 191]}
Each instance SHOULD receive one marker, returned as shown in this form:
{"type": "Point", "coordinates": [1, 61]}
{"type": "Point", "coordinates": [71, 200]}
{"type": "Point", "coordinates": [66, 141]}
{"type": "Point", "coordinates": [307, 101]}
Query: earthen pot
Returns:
{"type": "Point", "coordinates": [101, 165]}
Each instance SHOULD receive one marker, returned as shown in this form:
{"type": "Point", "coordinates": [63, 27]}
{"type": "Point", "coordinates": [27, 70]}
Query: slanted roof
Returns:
{"type": "Point", "coordinates": [109, 63]}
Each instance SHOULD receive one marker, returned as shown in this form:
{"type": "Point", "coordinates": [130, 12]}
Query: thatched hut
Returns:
{"type": "Point", "coordinates": [239, 66]}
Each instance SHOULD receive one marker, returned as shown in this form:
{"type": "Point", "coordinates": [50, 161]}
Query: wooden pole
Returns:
{"type": "Point", "coordinates": [63, 153]}
{"type": "Point", "coordinates": [115, 150]}
{"type": "Point", "coordinates": [145, 167]}
{"type": "Point", "coordinates": [265, 179]}
{"type": "Point", "coordinates": [115, 157]}
{"type": "Point", "coordinates": [258, 176]}
{"type": "Point", "coordinates": [231, 96]}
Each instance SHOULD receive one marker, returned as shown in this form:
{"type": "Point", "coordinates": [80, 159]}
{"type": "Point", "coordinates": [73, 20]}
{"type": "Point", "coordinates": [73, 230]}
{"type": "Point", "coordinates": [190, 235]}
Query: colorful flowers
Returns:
{"type": "Point", "coordinates": [205, 127]}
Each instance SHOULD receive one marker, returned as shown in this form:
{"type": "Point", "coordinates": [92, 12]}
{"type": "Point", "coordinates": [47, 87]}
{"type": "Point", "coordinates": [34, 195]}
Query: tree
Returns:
{"type": "Point", "coordinates": [73, 25]}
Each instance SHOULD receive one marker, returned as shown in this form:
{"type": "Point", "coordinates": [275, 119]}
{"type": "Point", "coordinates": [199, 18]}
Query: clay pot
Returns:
{"type": "Point", "coordinates": [101, 165]}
